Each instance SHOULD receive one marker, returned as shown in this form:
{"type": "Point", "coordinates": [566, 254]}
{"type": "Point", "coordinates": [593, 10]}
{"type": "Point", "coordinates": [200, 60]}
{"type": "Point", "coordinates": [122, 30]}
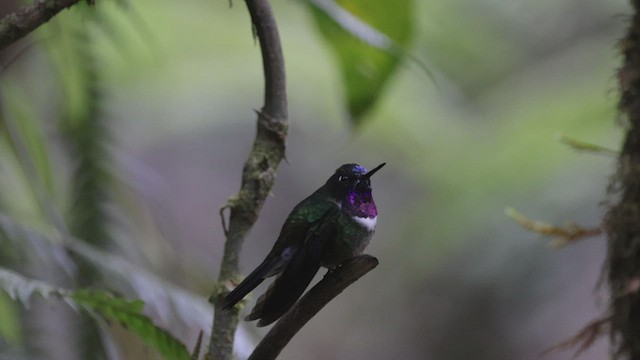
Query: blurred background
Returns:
{"type": "Point", "coordinates": [174, 86]}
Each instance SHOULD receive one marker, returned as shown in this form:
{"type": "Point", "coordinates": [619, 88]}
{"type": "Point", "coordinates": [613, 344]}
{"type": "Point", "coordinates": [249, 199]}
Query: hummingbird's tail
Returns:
{"type": "Point", "coordinates": [249, 283]}
{"type": "Point", "coordinates": [285, 290]}
{"type": "Point", "coordinates": [297, 267]}
{"type": "Point", "coordinates": [293, 280]}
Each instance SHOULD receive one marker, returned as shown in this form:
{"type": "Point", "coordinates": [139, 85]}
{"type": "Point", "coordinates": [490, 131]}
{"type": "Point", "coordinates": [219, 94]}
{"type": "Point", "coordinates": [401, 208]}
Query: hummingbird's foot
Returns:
{"type": "Point", "coordinates": [333, 269]}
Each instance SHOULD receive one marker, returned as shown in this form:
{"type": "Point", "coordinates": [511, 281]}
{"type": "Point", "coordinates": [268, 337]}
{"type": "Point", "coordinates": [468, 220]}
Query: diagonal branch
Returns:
{"type": "Point", "coordinates": [315, 299]}
{"type": "Point", "coordinates": [258, 174]}
{"type": "Point", "coordinates": [28, 18]}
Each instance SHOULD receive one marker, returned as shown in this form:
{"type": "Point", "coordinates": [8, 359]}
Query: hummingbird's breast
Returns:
{"type": "Point", "coordinates": [354, 234]}
{"type": "Point", "coordinates": [356, 226]}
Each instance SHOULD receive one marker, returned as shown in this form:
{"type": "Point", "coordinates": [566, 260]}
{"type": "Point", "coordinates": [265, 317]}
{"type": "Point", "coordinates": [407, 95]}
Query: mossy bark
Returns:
{"type": "Point", "coordinates": [622, 222]}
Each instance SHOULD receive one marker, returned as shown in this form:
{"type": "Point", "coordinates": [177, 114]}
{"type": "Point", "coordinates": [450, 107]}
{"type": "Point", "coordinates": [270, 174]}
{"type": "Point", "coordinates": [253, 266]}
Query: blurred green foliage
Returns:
{"type": "Point", "coordinates": [367, 59]}
{"type": "Point", "coordinates": [100, 305]}
{"type": "Point", "coordinates": [10, 329]}
{"type": "Point", "coordinates": [129, 314]}
{"type": "Point", "coordinates": [23, 132]}
{"type": "Point", "coordinates": [177, 82]}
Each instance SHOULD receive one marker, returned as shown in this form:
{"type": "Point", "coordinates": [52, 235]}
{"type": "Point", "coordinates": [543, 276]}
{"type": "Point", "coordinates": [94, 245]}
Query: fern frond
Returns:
{"type": "Point", "coordinates": [129, 314]}
{"type": "Point", "coordinates": [21, 289]}
{"type": "Point", "coordinates": [98, 304]}
{"type": "Point", "coordinates": [87, 135]}
{"type": "Point", "coordinates": [173, 304]}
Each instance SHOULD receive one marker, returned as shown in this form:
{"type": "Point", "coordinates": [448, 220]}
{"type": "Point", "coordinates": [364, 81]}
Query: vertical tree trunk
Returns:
{"type": "Point", "coordinates": [622, 221]}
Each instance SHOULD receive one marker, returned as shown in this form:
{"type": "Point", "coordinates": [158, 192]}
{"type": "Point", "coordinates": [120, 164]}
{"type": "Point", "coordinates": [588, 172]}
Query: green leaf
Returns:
{"type": "Point", "coordinates": [367, 37]}
{"type": "Point", "coordinates": [98, 303]}
{"type": "Point", "coordinates": [129, 314]}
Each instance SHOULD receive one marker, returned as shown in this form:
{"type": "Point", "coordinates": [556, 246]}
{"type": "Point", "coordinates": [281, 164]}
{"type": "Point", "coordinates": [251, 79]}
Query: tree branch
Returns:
{"type": "Point", "coordinates": [28, 18]}
{"type": "Point", "coordinates": [315, 299]}
{"type": "Point", "coordinates": [258, 174]}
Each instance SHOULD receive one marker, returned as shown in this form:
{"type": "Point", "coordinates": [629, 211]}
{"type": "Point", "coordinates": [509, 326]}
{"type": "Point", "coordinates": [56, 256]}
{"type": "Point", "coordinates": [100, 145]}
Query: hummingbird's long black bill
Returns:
{"type": "Point", "coordinates": [371, 172]}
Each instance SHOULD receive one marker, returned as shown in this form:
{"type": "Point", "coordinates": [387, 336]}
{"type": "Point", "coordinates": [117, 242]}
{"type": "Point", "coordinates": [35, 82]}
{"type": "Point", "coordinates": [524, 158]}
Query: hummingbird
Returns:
{"type": "Point", "coordinates": [330, 226]}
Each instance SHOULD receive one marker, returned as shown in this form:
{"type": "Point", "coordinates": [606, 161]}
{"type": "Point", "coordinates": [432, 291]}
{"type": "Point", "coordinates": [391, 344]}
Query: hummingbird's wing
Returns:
{"type": "Point", "coordinates": [298, 273]}
{"type": "Point", "coordinates": [293, 235]}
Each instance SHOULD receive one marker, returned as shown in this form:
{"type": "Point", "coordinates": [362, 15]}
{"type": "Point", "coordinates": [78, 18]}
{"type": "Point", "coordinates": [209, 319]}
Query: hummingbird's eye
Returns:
{"type": "Point", "coordinates": [343, 178]}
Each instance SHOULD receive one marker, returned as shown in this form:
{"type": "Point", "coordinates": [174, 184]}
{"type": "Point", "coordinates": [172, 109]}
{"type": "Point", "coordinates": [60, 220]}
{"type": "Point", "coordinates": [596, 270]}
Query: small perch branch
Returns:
{"type": "Point", "coordinates": [28, 18]}
{"type": "Point", "coordinates": [258, 174]}
{"type": "Point", "coordinates": [315, 299]}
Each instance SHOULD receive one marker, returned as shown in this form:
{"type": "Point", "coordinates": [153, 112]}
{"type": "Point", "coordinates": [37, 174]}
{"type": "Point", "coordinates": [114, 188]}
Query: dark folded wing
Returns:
{"type": "Point", "coordinates": [298, 273]}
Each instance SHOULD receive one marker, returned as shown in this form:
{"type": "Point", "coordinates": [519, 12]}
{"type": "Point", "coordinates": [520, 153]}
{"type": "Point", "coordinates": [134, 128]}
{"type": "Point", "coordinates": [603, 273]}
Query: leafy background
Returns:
{"type": "Point", "coordinates": [126, 126]}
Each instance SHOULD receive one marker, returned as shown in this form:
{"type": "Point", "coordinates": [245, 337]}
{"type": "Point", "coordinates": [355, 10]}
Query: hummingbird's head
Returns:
{"type": "Point", "coordinates": [351, 178]}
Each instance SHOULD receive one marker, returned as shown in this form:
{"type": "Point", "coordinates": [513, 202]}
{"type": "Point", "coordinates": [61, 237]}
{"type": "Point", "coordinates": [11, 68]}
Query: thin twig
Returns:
{"type": "Point", "coordinates": [580, 145]}
{"type": "Point", "coordinates": [195, 355]}
{"type": "Point", "coordinates": [28, 18]}
{"type": "Point", "coordinates": [315, 299]}
{"type": "Point", "coordinates": [223, 220]}
{"type": "Point", "coordinates": [569, 234]}
{"type": "Point", "coordinates": [584, 338]}
{"type": "Point", "coordinates": [258, 174]}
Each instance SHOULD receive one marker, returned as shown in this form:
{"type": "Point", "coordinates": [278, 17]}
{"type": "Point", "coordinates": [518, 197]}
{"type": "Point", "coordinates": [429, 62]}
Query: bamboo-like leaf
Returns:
{"type": "Point", "coordinates": [25, 136]}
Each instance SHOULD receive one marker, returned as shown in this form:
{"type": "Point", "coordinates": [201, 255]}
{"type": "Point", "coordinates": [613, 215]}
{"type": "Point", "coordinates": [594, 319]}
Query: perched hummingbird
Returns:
{"type": "Point", "coordinates": [330, 226]}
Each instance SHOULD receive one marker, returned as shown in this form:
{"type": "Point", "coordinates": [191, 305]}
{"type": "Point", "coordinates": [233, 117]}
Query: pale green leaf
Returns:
{"type": "Point", "coordinates": [129, 314]}
{"type": "Point", "coordinates": [366, 37]}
